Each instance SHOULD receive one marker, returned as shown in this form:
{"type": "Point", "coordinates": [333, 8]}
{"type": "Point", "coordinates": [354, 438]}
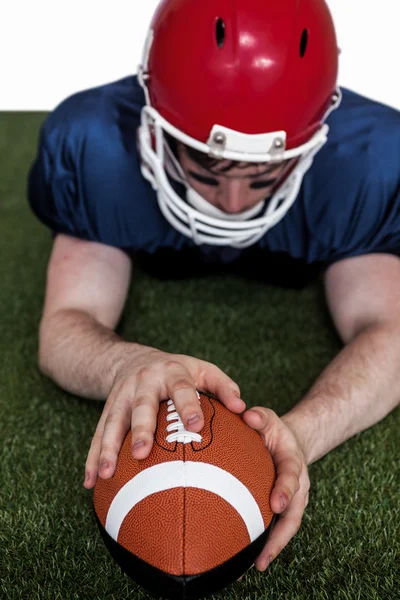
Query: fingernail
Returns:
{"type": "Point", "coordinates": [283, 503]}
{"type": "Point", "coordinates": [193, 419]}
{"type": "Point", "coordinates": [87, 477]}
{"type": "Point", "coordinates": [104, 464]}
{"type": "Point", "coordinates": [138, 445]}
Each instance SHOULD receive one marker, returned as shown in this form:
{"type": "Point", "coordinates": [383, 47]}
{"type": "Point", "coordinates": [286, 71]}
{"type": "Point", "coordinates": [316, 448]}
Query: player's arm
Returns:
{"type": "Point", "coordinates": [357, 389]}
{"type": "Point", "coordinates": [86, 291]}
{"type": "Point", "coordinates": [361, 385]}
{"type": "Point", "coordinates": [87, 285]}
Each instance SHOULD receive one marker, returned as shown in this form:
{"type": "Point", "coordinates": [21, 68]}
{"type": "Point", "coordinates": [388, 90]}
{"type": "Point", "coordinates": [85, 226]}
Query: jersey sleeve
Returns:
{"type": "Point", "coordinates": [353, 197]}
{"type": "Point", "coordinates": [372, 223]}
{"type": "Point", "coordinates": [86, 181]}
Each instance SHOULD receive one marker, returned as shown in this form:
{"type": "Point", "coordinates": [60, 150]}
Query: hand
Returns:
{"type": "Point", "coordinates": [289, 497]}
{"type": "Point", "coordinates": [141, 383]}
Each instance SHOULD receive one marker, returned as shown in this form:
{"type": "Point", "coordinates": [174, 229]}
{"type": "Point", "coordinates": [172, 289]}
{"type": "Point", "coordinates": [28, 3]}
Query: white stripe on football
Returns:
{"type": "Point", "coordinates": [179, 474]}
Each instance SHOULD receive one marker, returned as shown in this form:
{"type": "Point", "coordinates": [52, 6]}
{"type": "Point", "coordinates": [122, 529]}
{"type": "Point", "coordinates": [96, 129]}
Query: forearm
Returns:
{"type": "Point", "coordinates": [81, 355]}
{"type": "Point", "coordinates": [357, 389]}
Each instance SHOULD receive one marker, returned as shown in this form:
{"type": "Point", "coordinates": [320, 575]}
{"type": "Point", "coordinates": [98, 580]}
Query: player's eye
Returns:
{"type": "Point", "coordinates": [258, 185]}
{"type": "Point", "coordinates": [202, 179]}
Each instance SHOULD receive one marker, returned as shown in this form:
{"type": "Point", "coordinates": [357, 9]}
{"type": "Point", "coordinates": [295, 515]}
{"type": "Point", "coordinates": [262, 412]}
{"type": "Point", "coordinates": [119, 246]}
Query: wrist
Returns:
{"type": "Point", "coordinates": [126, 354]}
{"type": "Point", "coordinates": [302, 433]}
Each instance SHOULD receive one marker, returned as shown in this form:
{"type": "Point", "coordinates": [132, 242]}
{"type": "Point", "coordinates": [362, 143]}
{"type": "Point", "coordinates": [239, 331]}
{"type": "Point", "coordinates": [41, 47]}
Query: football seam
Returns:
{"type": "Point", "coordinates": [172, 450]}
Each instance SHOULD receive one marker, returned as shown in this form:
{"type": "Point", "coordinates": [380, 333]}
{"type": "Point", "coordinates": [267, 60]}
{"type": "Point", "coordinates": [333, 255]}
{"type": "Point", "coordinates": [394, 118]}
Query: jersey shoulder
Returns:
{"type": "Point", "coordinates": [92, 106]}
{"type": "Point", "coordinates": [357, 110]}
{"type": "Point", "coordinates": [349, 202]}
{"type": "Point", "coordinates": [86, 179]}
{"type": "Point", "coordinates": [352, 193]}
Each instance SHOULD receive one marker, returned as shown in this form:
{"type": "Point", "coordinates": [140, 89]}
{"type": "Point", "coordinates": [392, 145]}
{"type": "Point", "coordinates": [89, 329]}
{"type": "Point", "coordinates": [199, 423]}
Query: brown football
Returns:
{"type": "Point", "coordinates": [193, 516]}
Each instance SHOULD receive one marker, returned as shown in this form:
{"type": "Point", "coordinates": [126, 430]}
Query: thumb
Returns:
{"type": "Point", "coordinates": [261, 419]}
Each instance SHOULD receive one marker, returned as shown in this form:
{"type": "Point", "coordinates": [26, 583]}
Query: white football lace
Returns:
{"type": "Point", "coordinates": [181, 434]}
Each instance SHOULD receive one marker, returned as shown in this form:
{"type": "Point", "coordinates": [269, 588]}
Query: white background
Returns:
{"type": "Point", "coordinates": [50, 49]}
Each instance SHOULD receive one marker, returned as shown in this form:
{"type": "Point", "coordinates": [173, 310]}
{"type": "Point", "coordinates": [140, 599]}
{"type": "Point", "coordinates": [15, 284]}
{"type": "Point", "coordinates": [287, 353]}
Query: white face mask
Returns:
{"type": "Point", "coordinates": [196, 218]}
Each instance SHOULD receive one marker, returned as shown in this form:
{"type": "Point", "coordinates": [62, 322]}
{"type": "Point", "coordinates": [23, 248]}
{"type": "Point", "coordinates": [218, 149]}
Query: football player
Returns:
{"type": "Point", "coordinates": [232, 150]}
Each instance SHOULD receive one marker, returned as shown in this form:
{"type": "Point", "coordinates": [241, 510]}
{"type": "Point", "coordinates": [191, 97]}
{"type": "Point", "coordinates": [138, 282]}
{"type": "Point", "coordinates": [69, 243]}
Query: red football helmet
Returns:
{"type": "Point", "coordinates": [247, 80]}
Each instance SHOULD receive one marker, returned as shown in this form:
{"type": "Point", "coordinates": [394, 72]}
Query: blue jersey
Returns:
{"type": "Point", "coordinates": [86, 182]}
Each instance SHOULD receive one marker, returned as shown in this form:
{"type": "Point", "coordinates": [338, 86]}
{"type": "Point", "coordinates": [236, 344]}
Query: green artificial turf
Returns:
{"type": "Point", "coordinates": [273, 342]}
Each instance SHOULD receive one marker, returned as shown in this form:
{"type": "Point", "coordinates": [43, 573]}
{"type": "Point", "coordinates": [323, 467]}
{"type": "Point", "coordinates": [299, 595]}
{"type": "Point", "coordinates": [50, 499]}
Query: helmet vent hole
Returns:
{"type": "Point", "coordinates": [303, 43]}
{"type": "Point", "coordinates": [220, 32]}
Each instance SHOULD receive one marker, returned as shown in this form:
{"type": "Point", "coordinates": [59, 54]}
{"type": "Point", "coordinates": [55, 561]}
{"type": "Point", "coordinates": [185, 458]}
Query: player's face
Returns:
{"type": "Point", "coordinates": [237, 190]}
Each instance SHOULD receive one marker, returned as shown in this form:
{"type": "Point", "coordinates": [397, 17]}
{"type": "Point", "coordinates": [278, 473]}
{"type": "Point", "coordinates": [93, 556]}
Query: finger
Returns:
{"type": "Point", "coordinates": [288, 467]}
{"type": "Point", "coordinates": [144, 415]}
{"type": "Point", "coordinates": [214, 380]}
{"type": "Point", "coordinates": [181, 388]}
{"type": "Point", "coordinates": [115, 429]}
{"type": "Point", "coordinates": [288, 462]}
{"type": "Point", "coordinates": [286, 527]}
{"type": "Point", "coordinates": [92, 461]}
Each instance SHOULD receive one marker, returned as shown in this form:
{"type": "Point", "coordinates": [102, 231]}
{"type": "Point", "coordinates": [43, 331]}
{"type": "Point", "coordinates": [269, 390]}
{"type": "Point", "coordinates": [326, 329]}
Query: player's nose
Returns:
{"type": "Point", "coordinates": [233, 196]}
